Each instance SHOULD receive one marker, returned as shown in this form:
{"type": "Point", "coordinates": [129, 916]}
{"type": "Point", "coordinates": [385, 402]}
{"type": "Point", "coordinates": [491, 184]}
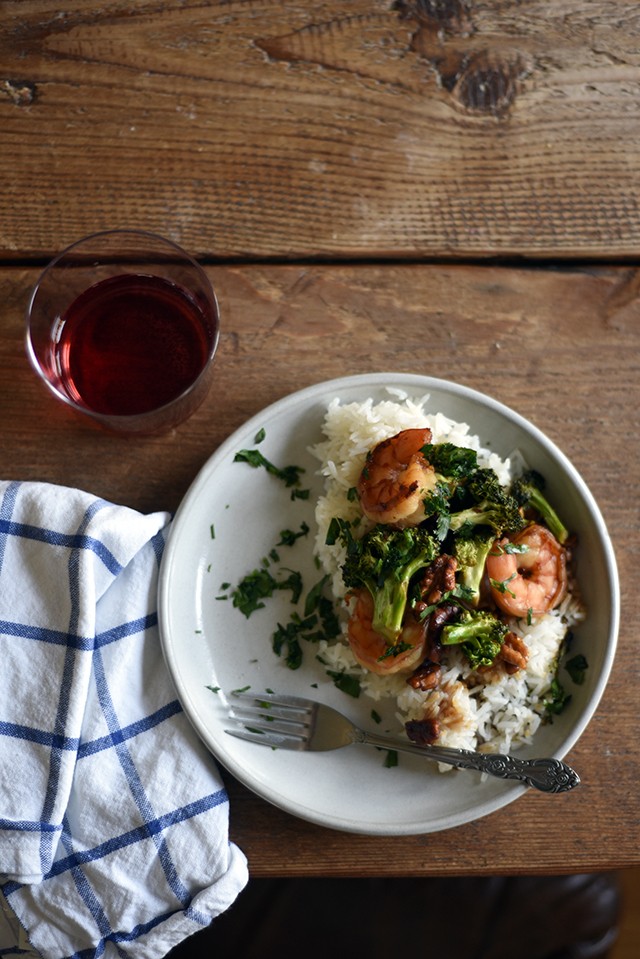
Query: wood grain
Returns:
{"type": "Point", "coordinates": [289, 129]}
{"type": "Point", "coordinates": [559, 346]}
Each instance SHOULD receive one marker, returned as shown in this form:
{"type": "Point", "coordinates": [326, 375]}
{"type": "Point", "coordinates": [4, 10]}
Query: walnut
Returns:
{"type": "Point", "coordinates": [439, 578]}
{"type": "Point", "coordinates": [423, 732]}
{"type": "Point", "coordinates": [426, 676]}
{"type": "Point", "coordinates": [514, 653]}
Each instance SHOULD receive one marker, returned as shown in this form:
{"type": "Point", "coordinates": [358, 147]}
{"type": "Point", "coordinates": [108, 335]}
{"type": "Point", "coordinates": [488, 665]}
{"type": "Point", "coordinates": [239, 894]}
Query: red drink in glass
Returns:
{"type": "Point", "coordinates": [130, 344]}
{"type": "Point", "coordinates": [123, 326]}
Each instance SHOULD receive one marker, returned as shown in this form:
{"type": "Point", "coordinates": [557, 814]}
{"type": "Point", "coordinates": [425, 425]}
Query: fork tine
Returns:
{"type": "Point", "coordinates": [277, 721]}
{"type": "Point", "coordinates": [271, 726]}
{"type": "Point", "coordinates": [271, 708]}
{"type": "Point", "coordinates": [254, 736]}
{"type": "Point", "coordinates": [277, 735]}
{"type": "Point", "coordinates": [268, 714]}
{"type": "Point", "coordinates": [271, 700]}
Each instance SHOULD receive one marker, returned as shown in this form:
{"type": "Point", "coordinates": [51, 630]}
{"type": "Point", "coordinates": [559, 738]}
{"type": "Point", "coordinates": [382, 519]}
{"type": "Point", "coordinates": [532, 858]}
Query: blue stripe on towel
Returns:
{"type": "Point", "coordinates": [71, 541]}
{"type": "Point", "coordinates": [134, 780]}
{"type": "Point", "coordinates": [150, 829]}
{"type": "Point", "coordinates": [128, 732]}
{"type": "Point", "coordinates": [41, 634]}
{"type": "Point", "coordinates": [66, 687]}
{"type": "Point", "coordinates": [40, 736]}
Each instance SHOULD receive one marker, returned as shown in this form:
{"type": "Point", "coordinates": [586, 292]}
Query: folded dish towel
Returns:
{"type": "Point", "coordinates": [113, 817]}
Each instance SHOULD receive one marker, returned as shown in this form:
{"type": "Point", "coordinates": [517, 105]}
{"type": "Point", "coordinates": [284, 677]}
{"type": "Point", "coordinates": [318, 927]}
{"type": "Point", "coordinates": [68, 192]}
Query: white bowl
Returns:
{"type": "Point", "coordinates": [231, 517]}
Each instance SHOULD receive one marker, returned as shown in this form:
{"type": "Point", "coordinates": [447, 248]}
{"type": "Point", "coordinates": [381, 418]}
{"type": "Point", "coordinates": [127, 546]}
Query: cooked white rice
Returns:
{"type": "Point", "coordinates": [493, 713]}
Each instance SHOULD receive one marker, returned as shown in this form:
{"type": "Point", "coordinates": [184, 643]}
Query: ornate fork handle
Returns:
{"type": "Point", "coordinates": [548, 775]}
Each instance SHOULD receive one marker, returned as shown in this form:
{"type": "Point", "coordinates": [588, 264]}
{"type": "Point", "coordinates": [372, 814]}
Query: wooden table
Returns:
{"type": "Point", "coordinates": [447, 188]}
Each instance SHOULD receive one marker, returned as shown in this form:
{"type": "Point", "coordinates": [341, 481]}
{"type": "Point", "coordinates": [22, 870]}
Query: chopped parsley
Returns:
{"type": "Point", "coordinates": [577, 667]}
{"type": "Point", "coordinates": [391, 759]}
{"type": "Point", "coordinates": [290, 475]}
{"type": "Point", "coordinates": [318, 622]}
{"type": "Point", "coordinates": [500, 549]}
{"type": "Point", "coordinates": [315, 618]}
{"type": "Point", "coordinates": [286, 641]}
{"type": "Point", "coordinates": [288, 537]}
{"type": "Point", "coordinates": [394, 650]}
{"type": "Point", "coordinates": [345, 683]}
{"type": "Point", "coordinates": [314, 596]}
{"type": "Point", "coordinates": [261, 584]}
{"type": "Point", "coordinates": [501, 585]}
{"type": "Point", "coordinates": [556, 699]}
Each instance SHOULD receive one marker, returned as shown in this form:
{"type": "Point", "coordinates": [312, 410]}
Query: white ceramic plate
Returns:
{"type": "Point", "coordinates": [232, 517]}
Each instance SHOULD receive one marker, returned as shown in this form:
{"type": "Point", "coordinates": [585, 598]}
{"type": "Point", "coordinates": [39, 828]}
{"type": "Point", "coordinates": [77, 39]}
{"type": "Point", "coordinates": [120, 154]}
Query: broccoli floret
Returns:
{"type": "Point", "coordinates": [471, 553]}
{"type": "Point", "coordinates": [384, 561]}
{"type": "Point", "coordinates": [492, 506]}
{"type": "Point", "coordinates": [528, 492]}
{"type": "Point", "coordinates": [452, 465]}
{"type": "Point", "coordinates": [480, 635]}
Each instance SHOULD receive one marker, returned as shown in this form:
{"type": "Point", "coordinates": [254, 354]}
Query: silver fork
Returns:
{"type": "Point", "coordinates": [290, 722]}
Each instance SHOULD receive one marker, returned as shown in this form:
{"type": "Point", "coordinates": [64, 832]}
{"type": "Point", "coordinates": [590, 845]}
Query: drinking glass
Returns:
{"type": "Point", "coordinates": [123, 327]}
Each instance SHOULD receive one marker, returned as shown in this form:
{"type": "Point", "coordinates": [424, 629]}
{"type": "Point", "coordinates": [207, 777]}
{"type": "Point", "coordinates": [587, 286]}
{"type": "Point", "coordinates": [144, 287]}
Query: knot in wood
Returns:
{"type": "Point", "coordinates": [21, 92]}
{"type": "Point", "coordinates": [483, 83]}
{"type": "Point", "coordinates": [452, 16]}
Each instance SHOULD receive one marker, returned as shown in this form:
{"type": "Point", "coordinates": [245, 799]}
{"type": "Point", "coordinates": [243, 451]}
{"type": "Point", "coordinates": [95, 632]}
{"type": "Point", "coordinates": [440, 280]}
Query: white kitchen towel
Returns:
{"type": "Point", "coordinates": [113, 817]}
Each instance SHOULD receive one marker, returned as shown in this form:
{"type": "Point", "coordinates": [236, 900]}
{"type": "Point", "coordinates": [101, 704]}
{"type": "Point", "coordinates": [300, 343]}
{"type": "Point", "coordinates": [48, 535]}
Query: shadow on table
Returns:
{"type": "Point", "coordinates": [561, 917]}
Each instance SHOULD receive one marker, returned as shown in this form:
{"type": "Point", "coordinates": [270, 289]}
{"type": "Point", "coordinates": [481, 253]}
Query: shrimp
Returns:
{"type": "Point", "coordinates": [530, 582]}
{"type": "Point", "coordinates": [369, 647]}
{"type": "Point", "coordinates": [395, 478]}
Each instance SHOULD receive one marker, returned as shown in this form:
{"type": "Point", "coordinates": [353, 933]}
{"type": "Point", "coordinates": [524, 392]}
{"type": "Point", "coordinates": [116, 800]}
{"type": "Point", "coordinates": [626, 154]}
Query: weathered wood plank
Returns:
{"type": "Point", "coordinates": [414, 128]}
{"type": "Point", "coordinates": [560, 347]}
